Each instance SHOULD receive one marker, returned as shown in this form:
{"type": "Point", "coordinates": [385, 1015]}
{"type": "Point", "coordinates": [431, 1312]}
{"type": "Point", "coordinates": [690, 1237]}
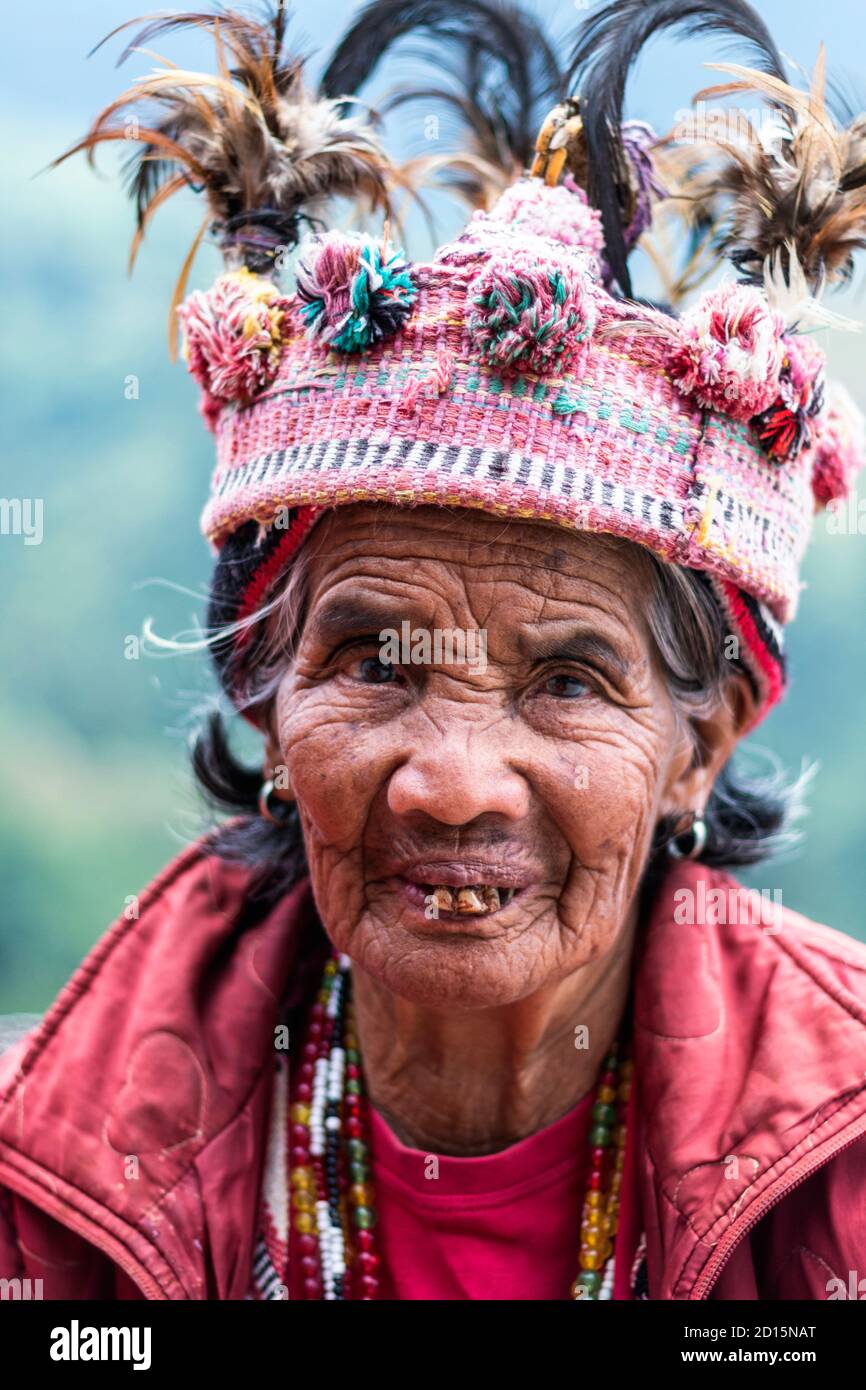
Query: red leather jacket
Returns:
{"type": "Point", "coordinates": [133, 1117]}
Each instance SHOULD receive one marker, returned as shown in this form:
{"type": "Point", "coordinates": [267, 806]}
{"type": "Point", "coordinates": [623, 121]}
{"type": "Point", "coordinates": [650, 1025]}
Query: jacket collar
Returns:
{"type": "Point", "coordinates": [136, 1112]}
{"type": "Point", "coordinates": [749, 1039]}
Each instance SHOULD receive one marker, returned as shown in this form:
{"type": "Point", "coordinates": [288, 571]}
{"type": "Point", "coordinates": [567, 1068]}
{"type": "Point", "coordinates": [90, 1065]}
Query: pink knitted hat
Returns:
{"type": "Point", "coordinates": [512, 374]}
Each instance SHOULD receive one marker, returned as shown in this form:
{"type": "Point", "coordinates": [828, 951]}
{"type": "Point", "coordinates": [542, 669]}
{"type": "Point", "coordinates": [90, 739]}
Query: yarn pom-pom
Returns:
{"type": "Point", "coordinates": [560, 213]}
{"type": "Point", "coordinates": [728, 353]}
{"type": "Point", "coordinates": [789, 424]}
{"type": "Point", "coordinates": [233, 336]}
{"type": "Point", "coordinates": [354, 295]}
{"type": "Point", "coordinates": [841, 451]}
{"type": "Point", "coordinates": [530, 316]}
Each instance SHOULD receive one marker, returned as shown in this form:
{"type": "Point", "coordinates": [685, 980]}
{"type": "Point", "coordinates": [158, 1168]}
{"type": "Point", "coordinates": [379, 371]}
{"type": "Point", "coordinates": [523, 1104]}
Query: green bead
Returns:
{"type": "Point", "coordinates": [357, 1149]}
{"type": "Point", "coordinates": [365, 1218]}
{"type": "Point", "coordinates": [353, 1088]}
{"type": "Point", "coordinates": [599, 1137]}
{"type": "Point", "coordinates": [604, 1114]}
{"type": "Point", "coordinates": [360, 1172]}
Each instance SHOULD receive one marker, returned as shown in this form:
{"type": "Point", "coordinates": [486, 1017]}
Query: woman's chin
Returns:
{"type": "Point", "coordinates": [471, 963]}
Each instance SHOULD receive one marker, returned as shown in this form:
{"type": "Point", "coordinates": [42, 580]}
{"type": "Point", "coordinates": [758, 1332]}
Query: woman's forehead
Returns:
{"type": "Point", "coordinates": [378, 566]}
{"type": "Point", "coordinates": [473, 541]}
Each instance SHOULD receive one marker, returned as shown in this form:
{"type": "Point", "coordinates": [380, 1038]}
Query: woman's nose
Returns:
{"type": "Point", "coordinates": [455, 779]}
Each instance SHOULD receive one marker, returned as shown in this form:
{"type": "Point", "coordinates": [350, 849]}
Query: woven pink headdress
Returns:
{"type": "Point", "coordinates": [514, 371]}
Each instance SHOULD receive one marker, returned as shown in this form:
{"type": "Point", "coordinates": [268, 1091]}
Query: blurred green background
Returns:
{"type": "Point", "coordinates": [95, 790]}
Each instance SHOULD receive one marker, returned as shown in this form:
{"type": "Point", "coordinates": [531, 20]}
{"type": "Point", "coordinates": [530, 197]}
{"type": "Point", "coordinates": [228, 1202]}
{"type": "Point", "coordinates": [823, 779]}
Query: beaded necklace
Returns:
{"type": "Point", "coordinates": [333, 1212]}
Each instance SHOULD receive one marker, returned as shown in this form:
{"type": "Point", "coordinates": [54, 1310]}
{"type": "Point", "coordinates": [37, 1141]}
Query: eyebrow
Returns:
{"type": "Point", "coordinates": [574, 644]}
{"type": "Point", "coordinates": [344, 617]}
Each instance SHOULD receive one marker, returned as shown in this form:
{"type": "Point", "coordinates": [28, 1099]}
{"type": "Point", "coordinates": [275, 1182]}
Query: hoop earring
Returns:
{"type": "Point", "coordinates": [691, 844]}
{"type": "Point", "coordinates": [271, 807]}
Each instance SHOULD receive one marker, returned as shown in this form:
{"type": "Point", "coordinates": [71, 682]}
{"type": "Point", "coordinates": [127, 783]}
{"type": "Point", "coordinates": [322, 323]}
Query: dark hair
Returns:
{"type": "Point", "coordinates": [749, 814]}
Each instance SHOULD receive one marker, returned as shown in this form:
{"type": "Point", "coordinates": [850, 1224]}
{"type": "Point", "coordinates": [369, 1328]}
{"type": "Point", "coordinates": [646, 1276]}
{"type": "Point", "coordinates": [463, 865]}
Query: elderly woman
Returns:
{"type": "Point", "coordinates": [461, 1003]}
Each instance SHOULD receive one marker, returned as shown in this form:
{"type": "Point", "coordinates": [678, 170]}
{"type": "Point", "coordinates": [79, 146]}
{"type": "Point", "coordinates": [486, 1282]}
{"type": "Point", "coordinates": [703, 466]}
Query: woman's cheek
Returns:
{"type": "Point", "coordinates": [331, 765]}
{"type": "Point", "coordinates": [606, 793]}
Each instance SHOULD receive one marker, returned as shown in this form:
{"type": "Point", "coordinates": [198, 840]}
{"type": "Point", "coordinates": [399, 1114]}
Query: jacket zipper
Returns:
{"type": "Point", "coordinates": [710, 1274]}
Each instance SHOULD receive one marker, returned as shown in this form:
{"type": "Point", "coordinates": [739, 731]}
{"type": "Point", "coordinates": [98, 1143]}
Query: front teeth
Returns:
{"type": "Point", "coordinates": [443, 900]}
{"type": "Point", "coordinates": [474, 900]}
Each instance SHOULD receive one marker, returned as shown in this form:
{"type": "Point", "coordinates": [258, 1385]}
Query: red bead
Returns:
{"type": "Point", "coordinates": [595, 1181]}
{"type": "Point", "coordinates": [300, 1134]}
{"type": "Point", "coordinates": [369, 1286]}
{"type": "Point", "coordinates": [299, 1157]}
{"type": "Point", "coordinates": [364, 1240]}
{"type": "Point", "coordinates": [307, 1245]}
{"type": "Point", "coordinates": [598, 1156]}
{"type": "Point", "coordinates": [354, 1129]}
{"type": "Point", "coordinates": [305, 1091]}
{"type": "Point", "coordinates": [310, 1052]}
{"type": "Point", "coordinates": [368, 1262]}
{"type": "Point", "coordinates": [306, 1070]}
{"type": "Point", "coordinates": [317, 1011]}
{"type": "Point", "coordinates": [310, 1266]}
{"type": "Point", "coordinates": [353, 1071]}
{"type": "Point", "coordinates": [312, 1288]}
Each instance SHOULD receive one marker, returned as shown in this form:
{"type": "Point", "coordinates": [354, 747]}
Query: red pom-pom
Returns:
{"type": "Point", "coordinates": [233, 337]}
{"type": "Point", "coordinates": [728, 352]}
{"type": "Point", "coordinates": [841, 451]}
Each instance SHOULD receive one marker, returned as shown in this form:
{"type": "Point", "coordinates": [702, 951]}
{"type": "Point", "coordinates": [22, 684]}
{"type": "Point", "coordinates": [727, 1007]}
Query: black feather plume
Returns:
{"type": "Point", "coordinates": [501, 69]}
{"type": "Point", "coordinates": [607, 45]}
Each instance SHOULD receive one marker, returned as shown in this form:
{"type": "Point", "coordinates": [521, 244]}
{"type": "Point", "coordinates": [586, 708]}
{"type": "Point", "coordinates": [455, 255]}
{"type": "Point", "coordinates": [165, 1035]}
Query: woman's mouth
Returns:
{"type": "Point", "coordinates": [468, 900]}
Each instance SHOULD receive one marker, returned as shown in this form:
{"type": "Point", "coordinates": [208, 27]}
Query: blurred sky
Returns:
{"type": "Point", "coordinates": [96, 794]}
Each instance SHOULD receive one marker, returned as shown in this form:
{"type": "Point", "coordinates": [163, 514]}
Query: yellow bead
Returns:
{"type": "Point", "coordinates": [594, 1218]}
{"type": "Point", "coordinates": [591, 1259]}
{"type": "Point", "coordinates": [300, 1113]}
{"type": "Point", "coordinates": [303, 1177]}
{"type": "Point", "coordinates": [360, 1195]}
{"type": "Point", "coordinates": [607, 1094]}
{"type": "Point", "coordinates": [593, 1199]}
{"type": "Point", "coordinates": [594, 1239]}
{"type": "Point", "coordinates": [305, 1223]}
{"type": "Point", "coordinates": [303, 1200]}
{"type": "Point", "coordinates": [627, 1069]}
{"type": "Point", "coordinates": [619, 1136]}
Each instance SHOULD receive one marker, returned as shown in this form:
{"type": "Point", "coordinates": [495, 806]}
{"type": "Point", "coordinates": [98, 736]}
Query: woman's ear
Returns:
{"type": "Point", "coordinates": [699, 759]}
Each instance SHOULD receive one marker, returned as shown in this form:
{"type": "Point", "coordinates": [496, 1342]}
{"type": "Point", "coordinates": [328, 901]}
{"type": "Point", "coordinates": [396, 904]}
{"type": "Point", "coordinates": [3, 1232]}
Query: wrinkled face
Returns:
{"type": "Point", "coordinates": [538, 765]}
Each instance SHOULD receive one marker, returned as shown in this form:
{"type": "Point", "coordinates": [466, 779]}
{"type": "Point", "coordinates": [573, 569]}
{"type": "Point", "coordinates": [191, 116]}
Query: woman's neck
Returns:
{"type": "Point", "coordinates": [473, 1082]}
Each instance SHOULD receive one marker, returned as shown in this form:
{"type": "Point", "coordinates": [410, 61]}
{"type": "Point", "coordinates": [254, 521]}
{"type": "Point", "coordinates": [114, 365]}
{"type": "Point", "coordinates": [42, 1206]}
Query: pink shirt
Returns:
{"type": "Point", "coordinates": [505, 1226]}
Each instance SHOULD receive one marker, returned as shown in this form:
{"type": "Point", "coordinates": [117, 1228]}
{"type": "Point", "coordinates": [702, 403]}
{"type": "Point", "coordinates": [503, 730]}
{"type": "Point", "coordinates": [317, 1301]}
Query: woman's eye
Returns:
{"type": "Point", "coordinates": [375, 672]}
{"type": "Point", "coordinates": [565, 687]}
